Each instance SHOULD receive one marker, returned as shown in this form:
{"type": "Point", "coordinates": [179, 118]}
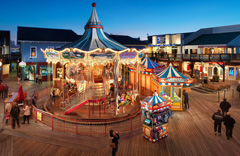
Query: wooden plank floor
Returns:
{"type": "Point", "coordinates": [190, 134]}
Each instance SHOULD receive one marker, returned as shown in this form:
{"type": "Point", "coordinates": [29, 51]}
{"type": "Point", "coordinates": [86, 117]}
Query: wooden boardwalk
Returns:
{"type": "Point", "coordinates": [190, 134]}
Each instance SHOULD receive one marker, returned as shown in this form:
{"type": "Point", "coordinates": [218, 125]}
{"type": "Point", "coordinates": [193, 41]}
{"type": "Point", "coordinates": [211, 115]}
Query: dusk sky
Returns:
{"type": "Point", "coordinates": [135, 18]}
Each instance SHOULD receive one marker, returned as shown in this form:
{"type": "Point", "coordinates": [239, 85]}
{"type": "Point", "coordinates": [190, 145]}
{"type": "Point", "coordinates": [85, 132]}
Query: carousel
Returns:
{"type": "Point", "coordinates": [92, 69]}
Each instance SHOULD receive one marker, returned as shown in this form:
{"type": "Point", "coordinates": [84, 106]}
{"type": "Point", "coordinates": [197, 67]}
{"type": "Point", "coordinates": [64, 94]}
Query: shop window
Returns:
{"type": "Point", "coordinates": [173, 93]}
{"type": "Point", "coordinates": [193, 51]}
{"type": "Point", "coordinates": [215, 71]}
{"type": "Point", "coordinates": [33, 52]}
{"type": "Point", "coordinates": [231, 72]}
{"type": "Point", "coordinates": [45, 70]}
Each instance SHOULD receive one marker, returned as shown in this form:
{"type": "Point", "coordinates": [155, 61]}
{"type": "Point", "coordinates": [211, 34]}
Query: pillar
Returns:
{"type": "Point", "coordinates": [137, 82]}
{"type": "Point", "coordinates": [116, 75]}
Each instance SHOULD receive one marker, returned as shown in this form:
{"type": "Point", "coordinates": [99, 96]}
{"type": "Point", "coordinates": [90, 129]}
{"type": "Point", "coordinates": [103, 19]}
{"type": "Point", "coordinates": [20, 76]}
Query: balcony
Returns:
{"type": "Point", "coordinates": [196, 57]}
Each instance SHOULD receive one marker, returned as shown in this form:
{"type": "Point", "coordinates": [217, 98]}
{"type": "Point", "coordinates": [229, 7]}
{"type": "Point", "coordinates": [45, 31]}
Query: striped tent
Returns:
{"type": "Point", "coordinates": [148, 63]}
{"type": "Point", "coordinates": [170, 72]}
{"type": "Point", "coordinates": [155, 99]}
{"type": "Point", "coordinates": [94, 36]}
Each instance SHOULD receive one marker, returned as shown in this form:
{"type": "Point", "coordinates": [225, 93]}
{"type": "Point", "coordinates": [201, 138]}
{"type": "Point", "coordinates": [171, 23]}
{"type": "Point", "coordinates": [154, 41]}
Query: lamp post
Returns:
{"type": "Point", "coordinates": [22, 65]}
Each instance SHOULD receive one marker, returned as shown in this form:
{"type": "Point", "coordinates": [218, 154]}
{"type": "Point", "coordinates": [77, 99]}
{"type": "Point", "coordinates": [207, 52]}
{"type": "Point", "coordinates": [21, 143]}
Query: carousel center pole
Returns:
{"type": "Point", "coordinates": [116, 75]}
{"type": "Point", "coordinates": [137, 77]}
{"type": "Point", "coordinates": [48, 78]}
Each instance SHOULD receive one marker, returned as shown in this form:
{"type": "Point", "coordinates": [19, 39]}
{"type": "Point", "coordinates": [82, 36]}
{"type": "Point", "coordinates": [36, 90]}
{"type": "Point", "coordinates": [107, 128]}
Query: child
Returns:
{"type": "Point", "coordinates": [7, 116]}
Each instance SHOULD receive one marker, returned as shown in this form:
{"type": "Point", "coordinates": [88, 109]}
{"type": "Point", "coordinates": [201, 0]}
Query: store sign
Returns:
{"type": "Point", "coordinates": [39, 116]}
{"type": "Point", "coordinates": [173, 79]}
{"type": "Point", "coordinates": [160, 40]}
{"type": "Point", "coordinates": [128, 55]}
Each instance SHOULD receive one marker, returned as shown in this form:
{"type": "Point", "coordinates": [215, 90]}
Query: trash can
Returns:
{"type": "Point", "coordinates": [205, 80]}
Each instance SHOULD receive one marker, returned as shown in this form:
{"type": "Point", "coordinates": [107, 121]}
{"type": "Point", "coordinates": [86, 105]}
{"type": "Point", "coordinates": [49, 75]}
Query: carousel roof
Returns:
{"type": "Point", "coordinates": [94, 37]}
{"type": "Point", "coordinates": [170, 72]}
{"type": "Point", "coordinates": [155, 99]}
{"type": "Point", "coordinates": [148, 63]}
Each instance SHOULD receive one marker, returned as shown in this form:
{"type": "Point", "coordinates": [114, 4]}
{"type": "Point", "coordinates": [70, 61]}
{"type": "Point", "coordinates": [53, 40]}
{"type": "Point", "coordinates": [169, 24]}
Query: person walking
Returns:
{"type": "Point", "coordinates": [2, 90]}
{"type": "Point", "coordinates": [40, 79]}
{"type": "Point", "coordinates": [185, 94]}
{"type": "Point", "coordinates": [229, 123]}
{"type": "Point", "coordinates": [19, 78]}
{"type": "Point", "coordinates": [224, 105]}
{"type": "Point", "coordinates": [218, 118]}
{"type": "Point", "coordinates": [15, 114]}
{"type": "Point", "coordinates": [26, 114]}
{"type": "Point", "coordinates": [5, 91]}
{"type": "Point", "coordinates": [114, 136]}
{"type": "Point", "coordinates": [238, 88]}
{"type": "Point", "coordinates": [37, 81]}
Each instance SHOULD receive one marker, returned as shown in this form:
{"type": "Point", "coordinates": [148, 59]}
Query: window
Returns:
{"type": "Point", "coordinates": [193, 51]}
{"type": "Point", "coordinates": [186, 51]}
{"type": "Point", "coordinates": [33, 52]}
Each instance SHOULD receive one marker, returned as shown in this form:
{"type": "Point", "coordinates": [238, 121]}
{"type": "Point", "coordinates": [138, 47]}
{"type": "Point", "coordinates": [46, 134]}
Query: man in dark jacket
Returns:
{"type": "Point", "coordinates": [185, 94]}
{"type": "Point", "coordinates": [224, 105]}
{"type": "Point", "coordinates": [229, 123]}
{"type": "Point", "coordinates": [218, 118]}
{"type": "Point", "coordinates": [15, 115]}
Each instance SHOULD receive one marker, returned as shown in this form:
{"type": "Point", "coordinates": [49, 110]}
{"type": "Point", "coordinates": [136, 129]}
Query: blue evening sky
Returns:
{"type": "Point", "coordinates": [135, 18]}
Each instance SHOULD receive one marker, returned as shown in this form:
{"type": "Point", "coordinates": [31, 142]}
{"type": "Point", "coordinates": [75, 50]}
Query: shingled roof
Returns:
{"type": "Point", "coordinates": [46, 34]}
{"type": "Point", "coordinates": [211, 39]}
{"type": "Point", "coordinates": [127, 40]}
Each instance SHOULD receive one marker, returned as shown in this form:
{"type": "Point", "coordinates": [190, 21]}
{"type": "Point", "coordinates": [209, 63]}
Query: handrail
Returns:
{"type": "Point", "coordinates": [195, 57]}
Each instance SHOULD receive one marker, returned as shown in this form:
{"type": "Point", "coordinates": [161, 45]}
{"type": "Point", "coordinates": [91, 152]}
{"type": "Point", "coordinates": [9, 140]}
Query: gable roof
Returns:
{"type": "Point", "coordinates": [211, 39]}
{"type": "Point", "coordinates": [127, 40]}
{"type": "Point", "coordinates": [45, 34]}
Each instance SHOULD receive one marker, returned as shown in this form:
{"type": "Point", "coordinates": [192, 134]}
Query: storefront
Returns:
{"type": "Point", "coordinates": [232, 72]}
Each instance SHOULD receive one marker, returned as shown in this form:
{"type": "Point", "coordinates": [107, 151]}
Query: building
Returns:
{"type": "Point", "coordinates": [31, 40]}
{"type": "Point", "coordinates": [206, 52]}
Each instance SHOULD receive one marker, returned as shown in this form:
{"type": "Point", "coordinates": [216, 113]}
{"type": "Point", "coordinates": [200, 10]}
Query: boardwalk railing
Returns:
{"type": "Point", "coordinates": [195, 57]}
{"type": "Point", "coordinates": [86, 126]}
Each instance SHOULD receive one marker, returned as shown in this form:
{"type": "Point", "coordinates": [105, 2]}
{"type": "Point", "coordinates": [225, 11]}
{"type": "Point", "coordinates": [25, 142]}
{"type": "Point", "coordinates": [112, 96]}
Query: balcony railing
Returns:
{"type": "Point", "coordinates": [195, 57]}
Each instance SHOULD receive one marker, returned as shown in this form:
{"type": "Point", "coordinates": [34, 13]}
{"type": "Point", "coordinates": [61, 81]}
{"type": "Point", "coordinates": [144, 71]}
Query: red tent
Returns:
{"type": "Point", "coordinates": [20, 94]}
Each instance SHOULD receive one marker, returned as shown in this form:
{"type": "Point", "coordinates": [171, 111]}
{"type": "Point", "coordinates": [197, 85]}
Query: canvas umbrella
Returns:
{"type": "Point", "coordinates": [20, 94]}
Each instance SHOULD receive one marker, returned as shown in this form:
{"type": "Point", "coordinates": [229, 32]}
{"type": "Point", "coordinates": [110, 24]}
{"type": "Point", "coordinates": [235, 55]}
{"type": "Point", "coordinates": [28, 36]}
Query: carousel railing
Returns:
{"type": "Point", "coordinates": [88, 126]}
{"type": "Point", "coordinates": [78, 98]}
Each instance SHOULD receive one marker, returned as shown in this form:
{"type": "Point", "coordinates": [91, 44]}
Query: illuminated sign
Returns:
{"type": "Point", "coordinates": [174, 79]}
{"type": "Point", "coordinates": [39, 116]}
{"type": "Point", "coordinates": [128, 55]}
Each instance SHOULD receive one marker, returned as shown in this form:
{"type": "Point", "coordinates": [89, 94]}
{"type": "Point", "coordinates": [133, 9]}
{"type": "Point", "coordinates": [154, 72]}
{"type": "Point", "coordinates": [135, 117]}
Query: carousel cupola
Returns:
{"type": "Point", "coordinates": [94, 36]}
{"type": "Point", "coordinates": [94, 21]}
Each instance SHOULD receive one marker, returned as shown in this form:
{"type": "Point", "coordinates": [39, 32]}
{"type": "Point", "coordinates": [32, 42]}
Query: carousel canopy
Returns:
{"type": "Point", "coordinates": [148, 63]}
{"type": "Point", "coordinates": [170, 72]}
{"type": "Point", "coordinates": [94, 37]}
{"type": "Point", "coordinates": [155, 99]}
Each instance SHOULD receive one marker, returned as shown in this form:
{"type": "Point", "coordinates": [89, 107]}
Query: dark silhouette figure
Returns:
{"type": "Point", "coordinates": [218, 118]}
{"type": "Point", "coordinates": [224, 105]}
{"type": "Point", "coordinates": [114, 136]}
{"type": "Point", "coordinates": [185, 94]}
{"type": "Point", "coordinates": [229, 123]}
{"type": "Point", "coordinates": [15, 115]}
